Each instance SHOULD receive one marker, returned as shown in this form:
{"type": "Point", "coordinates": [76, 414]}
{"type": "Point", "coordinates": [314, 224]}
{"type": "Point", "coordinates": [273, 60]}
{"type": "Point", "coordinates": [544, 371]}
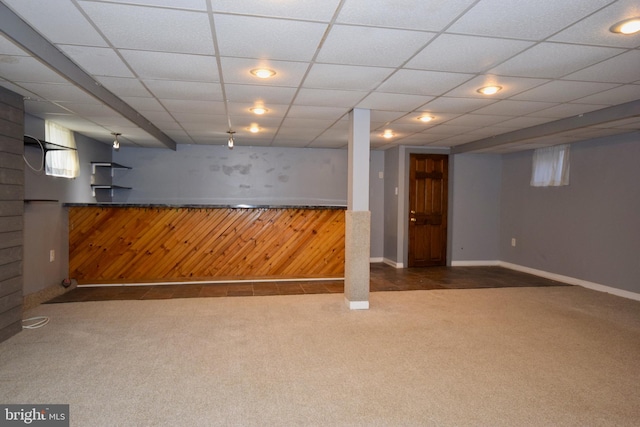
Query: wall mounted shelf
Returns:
{"type": "Point", "coordinates": [111, 188]}
{"type": "Point", "coordinates": [111, 165]}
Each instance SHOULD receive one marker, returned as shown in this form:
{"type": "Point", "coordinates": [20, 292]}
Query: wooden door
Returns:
{"type": "Point", "coordinates": [428, 176]}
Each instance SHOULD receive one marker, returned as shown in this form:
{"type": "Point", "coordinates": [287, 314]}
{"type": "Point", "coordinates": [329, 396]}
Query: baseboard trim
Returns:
{"type": "Point", "coordinates": [375, 260]}
{"type": "Point", "coordinates": [482, 263]}
{"type": "Point", "coordinates": [392, 263]}
{"type": "Point", "coordinates": [357, 305]}
{"type": "Point", "coordinates": [212, 282]}
{"type": "Point", "coordinates": [572, 281]}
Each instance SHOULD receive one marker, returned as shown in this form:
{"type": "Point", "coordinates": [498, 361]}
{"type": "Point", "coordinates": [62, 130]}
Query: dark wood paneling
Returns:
{"type": "Point", "coordinates": [178, 244]}
{"type": "Point", "coordinates": [11, 210]}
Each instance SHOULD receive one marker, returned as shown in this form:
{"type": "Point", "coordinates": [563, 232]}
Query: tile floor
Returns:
{"type": "Point", "coordinates": [383, 278]}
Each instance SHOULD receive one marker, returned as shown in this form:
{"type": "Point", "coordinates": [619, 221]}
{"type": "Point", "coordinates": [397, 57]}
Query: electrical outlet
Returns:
{"type": "Point", "coordinates": [52, 255]}
{"type": "Point", "coordinates": [513, 242]}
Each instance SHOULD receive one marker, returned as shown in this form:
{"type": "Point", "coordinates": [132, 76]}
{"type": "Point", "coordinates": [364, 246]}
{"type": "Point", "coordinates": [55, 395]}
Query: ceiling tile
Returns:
{"type": "Point", "coordinates": [143, 103]}
{"type": "Point", "coordinates": [58, 21]}
{"type": "Point", "coordinates": [462, 54]}
{"type": "Point", "coordinates": [183, 4]}
{"type": "Point", "coordinates": [376, 47]}
{"type": "Point", "coordinates": [124, 86]}
{"type": "Point", "coordinates": [27, 69]}
{"type": "Point", "coordinates": [259, 94]}
{"type": "Point", "coordinates": [149, 28]}
{"type": "Point", "coordinates": [328, 98]}
{"type": "Point", "coordinates": [172, 66]}
{"type": "Point", "coordinates": [533, 20]}
{"type": "Point", "coordinates": [477, 120]}
{"type": "Point", "coordinates": [169, 89]}
{"type": "Point", "coordinates": [617, 95]}
{"type": "Point", "coordinates": [277, 39]}
{"type": "Point", "coordinates": [8, 47]}
{"type": "Point", "coordinates": [594, 29]}
{"type": "Point", "coordinates": [427, 15]}
{"type": "Point", "coordinates": [420, 82]}
{"type": "Point", "coordinates": [566, 110]}
{"type": "Point", "coordinates": [445, 104]}
{"type": "Point", "coordinates": [514, 108]}
{"type": "Point", "coordinates": [193, 108]}
{"type": "Point", "coordinates": [553, 60]}
{"type": "Point", "coordinates": [99, 61]}
{"type": "Point", "coordinates": [311, 10]}
{"type": "Point", "coordinates": [59, 92]}
{"type": "Point", "coordinates": [313, 112]}
{"type": "Point", "coordinates": [620, 69]}
{"type": "Point", "coordinates": [38, 107]}
{"type": "Point", "coordinates": [348, 77]}
{"type": "Point", "coordinates": [393, 101]}
{"type": "Point", "coordinates": [563, 91]}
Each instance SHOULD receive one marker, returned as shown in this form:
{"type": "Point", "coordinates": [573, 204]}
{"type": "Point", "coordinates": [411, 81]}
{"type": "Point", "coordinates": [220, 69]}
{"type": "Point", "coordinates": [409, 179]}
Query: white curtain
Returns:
{"type": "Point", "coordinates": [62, 163]}
{"type": "Point", "coordinates": [550, 166]}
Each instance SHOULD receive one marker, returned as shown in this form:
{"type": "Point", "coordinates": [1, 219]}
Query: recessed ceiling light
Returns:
{"type": "Point", "coordinates": [263, 73]}
{"type": "Point", "coordinates": [258, 110]}
{"type": "Point", "coordinates": [628, 26]}
{"type": "Point", "coordinates": [489, 90]}
{"type": "Point", "coordinates": [425, 118]}
{"type": "Point", "coordinates": [388, 133]}
{"type": "Point", "coordinates": [254, 128]}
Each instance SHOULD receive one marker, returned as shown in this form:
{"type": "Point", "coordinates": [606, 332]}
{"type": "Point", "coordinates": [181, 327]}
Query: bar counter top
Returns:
{"type": "Point", "coordinates": [199, 206]}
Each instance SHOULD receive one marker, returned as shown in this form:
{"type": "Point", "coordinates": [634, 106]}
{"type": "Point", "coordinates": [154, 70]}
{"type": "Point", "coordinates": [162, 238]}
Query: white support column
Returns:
{"type": "Point", "coordinates": [358, 216]}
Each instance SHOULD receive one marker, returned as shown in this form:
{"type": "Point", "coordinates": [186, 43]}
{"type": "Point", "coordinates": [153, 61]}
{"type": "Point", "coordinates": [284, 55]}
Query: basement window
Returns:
{"type": "Point", "coordinates": [550, 166]}
{"type": "Point", "coordinates": [63, 161]}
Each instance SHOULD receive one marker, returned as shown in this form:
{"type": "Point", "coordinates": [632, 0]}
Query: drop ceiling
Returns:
{"type": "Point", "coordinates": [163, 72]}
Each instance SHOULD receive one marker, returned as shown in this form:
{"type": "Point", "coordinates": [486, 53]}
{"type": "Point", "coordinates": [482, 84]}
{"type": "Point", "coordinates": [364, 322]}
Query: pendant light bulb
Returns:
{"type": "Point", "coordinates": [230, 141]}
{"type": "Point", "coordinates": [116, 143]}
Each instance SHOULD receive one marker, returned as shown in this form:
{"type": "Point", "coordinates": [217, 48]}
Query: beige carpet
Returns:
{"type": "Point", "coordinates": [559, 356]}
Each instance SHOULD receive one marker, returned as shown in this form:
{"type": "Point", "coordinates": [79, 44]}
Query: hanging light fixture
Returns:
{"type": "Point", "coordinates": [116, 143]}
{"type": "Point", "coordinates": [230, 142]}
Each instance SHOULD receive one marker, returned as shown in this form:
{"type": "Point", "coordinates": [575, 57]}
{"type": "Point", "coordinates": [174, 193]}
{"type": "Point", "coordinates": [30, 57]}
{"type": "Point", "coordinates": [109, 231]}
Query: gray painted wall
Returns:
{"type": "Point", "coordinates": [391, 200]}
{"type": "Point", "coordinates": [475, 224]}
{"type": "Point", "coordinates": [195, 174]}
{"type": "Point", "coordinates": [589, 230]}
{"type": "Point", "coordinates": [46, 223]}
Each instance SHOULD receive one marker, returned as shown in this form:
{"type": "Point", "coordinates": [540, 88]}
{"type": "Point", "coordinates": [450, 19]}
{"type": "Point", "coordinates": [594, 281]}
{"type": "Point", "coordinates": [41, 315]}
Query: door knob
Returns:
{"type": "Point", "coordinates": [413, 220]}
{"type": "Point", "coordinates": [413, 212]}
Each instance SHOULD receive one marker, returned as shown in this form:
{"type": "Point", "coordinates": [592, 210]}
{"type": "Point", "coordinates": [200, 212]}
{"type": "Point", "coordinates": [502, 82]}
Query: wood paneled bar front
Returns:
{"type": "Point", "coordinates": [126, 243]}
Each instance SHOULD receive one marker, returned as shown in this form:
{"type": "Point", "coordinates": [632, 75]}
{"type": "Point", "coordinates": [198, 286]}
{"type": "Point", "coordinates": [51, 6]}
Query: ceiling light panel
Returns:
{"type": "Point", "coordinates": [409, 14]}
{"type": "Point", "coordinates": [510, 86]}
{"type": "Point", "coordinates": [311, 10]}
{"type": "Point", "coordinates": [376, 47]}
{"type": "Point", "coordinates": [150, 28]}
{"type": "Point", "coordinates": [277, 39]}
{"type": "Point", "coordinates": [237, 70]}
{"type": "Point", "coordinates": [530, 20]}
{"type": "Point", "coordinates": [172, 66]}
{"type": "Point", "coordinates": [460, 54]}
